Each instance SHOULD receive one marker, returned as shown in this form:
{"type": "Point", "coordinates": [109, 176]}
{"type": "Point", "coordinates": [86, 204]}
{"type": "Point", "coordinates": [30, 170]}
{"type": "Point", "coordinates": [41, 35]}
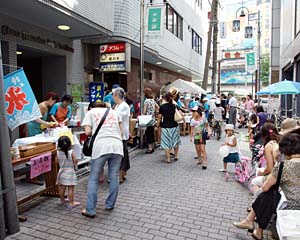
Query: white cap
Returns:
{"type": "Point", "coordinates": [214, 96]}
{"type": "Point", "coordinates": [205, 99]}
{"type": "Point", "coordinates": [218, 102]}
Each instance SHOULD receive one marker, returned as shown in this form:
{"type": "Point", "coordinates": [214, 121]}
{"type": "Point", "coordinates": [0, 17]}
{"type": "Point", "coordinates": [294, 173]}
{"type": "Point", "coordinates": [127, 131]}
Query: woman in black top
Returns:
{"type": "Point", "coordinates": [170, 136]}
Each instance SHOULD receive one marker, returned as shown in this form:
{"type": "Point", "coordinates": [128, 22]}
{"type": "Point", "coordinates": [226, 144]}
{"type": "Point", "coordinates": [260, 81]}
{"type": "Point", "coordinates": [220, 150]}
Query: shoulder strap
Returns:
{"type": "Point", "coordinates": [101, 123]}
{"type": "Point", "coordinates": [279, 175]}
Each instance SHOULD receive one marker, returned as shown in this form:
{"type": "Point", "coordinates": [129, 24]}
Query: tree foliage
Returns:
{"type": "Point", "coordinates": [265, 69]}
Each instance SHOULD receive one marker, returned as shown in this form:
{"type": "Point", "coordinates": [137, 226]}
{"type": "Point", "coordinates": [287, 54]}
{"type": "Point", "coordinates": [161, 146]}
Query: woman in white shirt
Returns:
{"type": "Point", "coordinates": [123, 110]}
{"type": "Point", "coordinates": [108, 147]}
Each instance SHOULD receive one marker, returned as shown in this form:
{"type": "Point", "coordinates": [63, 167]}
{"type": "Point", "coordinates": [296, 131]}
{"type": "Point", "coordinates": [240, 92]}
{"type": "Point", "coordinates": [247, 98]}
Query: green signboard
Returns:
{"type": "Point", "coordinates": [154, 19]}
{"type": "Point", "coordinates": [250, 59]}
{"type": "Point", "coordinates": [250, 62]}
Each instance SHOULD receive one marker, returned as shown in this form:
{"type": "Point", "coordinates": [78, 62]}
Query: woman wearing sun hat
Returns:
{"type": "Point", "coordinates": [289, 125]}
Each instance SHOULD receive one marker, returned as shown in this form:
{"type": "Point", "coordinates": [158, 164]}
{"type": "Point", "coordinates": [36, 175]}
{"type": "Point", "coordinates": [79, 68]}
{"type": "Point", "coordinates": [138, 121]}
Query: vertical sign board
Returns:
{"type": "Point", "coordinates": [21, 105]}
{"type": "Point", "coordinates": [96, 92]}
{"type": "Point", "coordinates": [250, 62]}
{"type": "Point", "coordinates": [222, 30]}
{"type": "Point", "coordinates": [115, 57]}
{"type": "Point", "coordinates": [155, 22]}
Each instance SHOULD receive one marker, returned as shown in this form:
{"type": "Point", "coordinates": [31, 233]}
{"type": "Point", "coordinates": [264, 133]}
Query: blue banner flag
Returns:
{"type": "Point", "coordinates": [96, 92]}
{"type": "Point", "coordinates": [20, 103]}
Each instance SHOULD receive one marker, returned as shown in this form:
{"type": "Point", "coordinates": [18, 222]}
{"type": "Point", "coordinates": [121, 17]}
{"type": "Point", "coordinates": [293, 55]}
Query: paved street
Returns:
{"type": "Point", "coordinates": [158, 201]}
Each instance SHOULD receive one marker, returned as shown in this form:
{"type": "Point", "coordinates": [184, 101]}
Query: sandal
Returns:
{"type": "Point", "coordinates": [84, 213]}
{"type": "Point", "coordinates": [75, 204]}
{"type": "Point", "coordinates": [167, 161]}
{"type": "Point", "coordinates": [176, 159]}
{"type": "Point", "coordinates": [256, 235]}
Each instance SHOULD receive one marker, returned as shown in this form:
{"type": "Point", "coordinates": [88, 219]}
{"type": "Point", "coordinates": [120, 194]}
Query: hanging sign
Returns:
{"type": "Point", "coordinates": [20, 103]}
{"type": "Point", "coordinates": [40, 165]}
{"type": "Point", "coordinates": [155, 22]}
{"type": "Point", "coordinates": [236, 25]}
{"type": "Point", "coordinates": [223, 30]}
{"type": "Point", "coordinates": [248, 32]}
{"type": "Point", "coordinates": [250, 62]}
{"type": "Point", "coordinates": [112, 48]}
{"type": "Point", "coordinates": [96, 92]}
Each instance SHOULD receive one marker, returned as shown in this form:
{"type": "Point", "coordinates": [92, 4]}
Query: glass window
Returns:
{"type": "Point", "coordinates": [196, 42]}
{"type": "Point", "coordinates": [170, 19]}
{"type": "Point", "coordinates": [175, 26]}
{"type": "Point", "coordinates": [174, 22]}
{"type": "Point", "coordinates": [180, 27]}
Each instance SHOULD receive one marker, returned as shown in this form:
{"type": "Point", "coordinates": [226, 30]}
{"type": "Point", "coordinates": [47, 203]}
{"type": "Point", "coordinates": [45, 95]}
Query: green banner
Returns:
{"type": "Point", "coordinates": [154, 19]}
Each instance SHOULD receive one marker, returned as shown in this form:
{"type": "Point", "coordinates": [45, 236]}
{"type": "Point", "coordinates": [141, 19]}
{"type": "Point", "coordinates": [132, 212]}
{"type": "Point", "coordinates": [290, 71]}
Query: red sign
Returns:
{"type": "Point", "coordinates": [112, 48]}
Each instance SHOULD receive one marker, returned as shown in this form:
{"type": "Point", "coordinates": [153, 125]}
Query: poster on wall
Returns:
{"type": "Point", "coordinates": [96, 91]}
{"type": "Point", "coordinates": [76, 92]}
{"type": "Point", "coordinates": [20, 103]}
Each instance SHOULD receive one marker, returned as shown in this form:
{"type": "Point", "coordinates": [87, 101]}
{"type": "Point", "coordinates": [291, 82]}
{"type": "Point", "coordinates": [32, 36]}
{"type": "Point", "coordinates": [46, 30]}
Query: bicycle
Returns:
{"type": "Point", "coordinates": [245, 169]}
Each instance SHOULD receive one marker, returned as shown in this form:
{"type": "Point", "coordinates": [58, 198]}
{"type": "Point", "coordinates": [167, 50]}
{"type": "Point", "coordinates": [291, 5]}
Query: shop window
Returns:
{"type": "Point", "coordinates": [148, 76]}
{"type": "Point", "coordinates": [196, 42]}
{"type": "Point", "coordinates": [199, 3]}
{"type": "Point", "coordinates": [174, 22]}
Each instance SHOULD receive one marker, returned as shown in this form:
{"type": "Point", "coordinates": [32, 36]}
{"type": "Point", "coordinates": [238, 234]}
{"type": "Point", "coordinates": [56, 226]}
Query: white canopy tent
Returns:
{"type": "Point", "coordinates": [185, 87]}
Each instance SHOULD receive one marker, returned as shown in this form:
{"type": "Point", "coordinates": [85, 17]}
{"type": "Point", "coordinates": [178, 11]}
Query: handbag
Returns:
{"type": "Point", "coordinates": [266, 203]}
{"type": "Point", "coordinates": [145, 121]}
{"type": "Point", "coordinates": [177, 115]}
{"type": "Point", "coordinates": [89, 142]}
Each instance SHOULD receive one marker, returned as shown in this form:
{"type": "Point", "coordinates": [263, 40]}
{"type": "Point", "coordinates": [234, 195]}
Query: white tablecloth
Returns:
{"type": "Point", "coordinates": [42, 138]}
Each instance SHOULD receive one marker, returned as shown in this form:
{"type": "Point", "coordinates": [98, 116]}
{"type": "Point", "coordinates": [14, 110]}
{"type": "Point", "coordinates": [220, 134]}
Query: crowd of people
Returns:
{"type": "Point", "coordinates": [167, 114]}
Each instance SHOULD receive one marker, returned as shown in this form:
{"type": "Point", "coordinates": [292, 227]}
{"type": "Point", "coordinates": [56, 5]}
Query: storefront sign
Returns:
{"type": "Point", "coordinates": [26, 36]}
{"type": "Point", "coordinates": [112, 57]}
{"type": "Point", "coordinates": [112, 48]}
{"type": "Point", "coordinates": [113, 67]}
{"type": "Point", "coordinates": [96, 92]}
{"type": "Point", "coordinates": [40, 165]}
{"type": "Point", "coordinates": [20, 103]}
{"type": "Point", "coordinates": [115, 57]}
{"type": "Point", "coordinates": [155, 22]}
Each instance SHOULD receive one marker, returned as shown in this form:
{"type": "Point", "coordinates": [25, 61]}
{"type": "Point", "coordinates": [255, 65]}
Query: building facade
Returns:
{"type": "Point", "coordinates": [289, 58]}
{"type": "Point", "coordinates": [177, 53]}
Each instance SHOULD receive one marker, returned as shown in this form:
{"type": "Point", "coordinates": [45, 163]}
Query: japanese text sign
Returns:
{"type": "Point", "coordinates": [96, 92]}
{"type": "Point", "coordinates": [112, 48]}
{"type": "Point", "coordinates": [20, 103]}
{"type": "Point", "coordinates": [40, 165]}
{"type": "Point", "coordinates": [250, 62]}
{"type": "Point", "coordinates": [155, 21]}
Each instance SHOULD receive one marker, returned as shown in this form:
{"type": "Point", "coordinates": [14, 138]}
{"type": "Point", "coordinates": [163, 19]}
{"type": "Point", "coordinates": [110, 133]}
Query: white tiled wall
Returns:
{"type": "Point", "coordinates": [98, 11]}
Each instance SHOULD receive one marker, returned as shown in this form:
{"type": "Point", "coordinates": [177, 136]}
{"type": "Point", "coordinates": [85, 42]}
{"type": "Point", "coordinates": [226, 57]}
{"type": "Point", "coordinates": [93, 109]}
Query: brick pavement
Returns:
{"type": "Point", "coordinates": [158, 201]}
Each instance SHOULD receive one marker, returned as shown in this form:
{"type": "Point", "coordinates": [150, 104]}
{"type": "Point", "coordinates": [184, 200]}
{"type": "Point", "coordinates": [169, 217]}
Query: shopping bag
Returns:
{"type": "Point", "coordinates": [145, 121]}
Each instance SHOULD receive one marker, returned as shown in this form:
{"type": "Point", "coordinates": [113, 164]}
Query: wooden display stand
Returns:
{"type": "Point", "coordinates": [51, 189]}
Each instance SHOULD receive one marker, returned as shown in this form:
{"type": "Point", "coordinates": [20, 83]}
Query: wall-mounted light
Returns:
{"type": "Point", "coordinates": [19, 52]}
{"type": "Point", "coordinates": [159, 63]}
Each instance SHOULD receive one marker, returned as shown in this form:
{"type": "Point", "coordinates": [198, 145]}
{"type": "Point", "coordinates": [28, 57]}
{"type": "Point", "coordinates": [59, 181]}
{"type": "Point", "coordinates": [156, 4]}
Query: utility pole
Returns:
{"type": "Point", "coordinates": [215, 49]}
{"type": "Point", "coordinates": [258, 51]}
{"type": "Point", "coordinates": [212, 23]}
{"type": "Point", "coordinates": [8, 199]}
{"type": "Point", "coordinates": [142, 25]}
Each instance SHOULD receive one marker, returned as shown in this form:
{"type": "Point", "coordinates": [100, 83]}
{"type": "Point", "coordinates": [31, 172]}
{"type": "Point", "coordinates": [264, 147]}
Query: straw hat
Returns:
{"type": "Point", "coordinates": [174, 91]}
{"type": "Point", "coordinates": [229, 127]}
{"type": "Point", "coordinates": [289, 125]}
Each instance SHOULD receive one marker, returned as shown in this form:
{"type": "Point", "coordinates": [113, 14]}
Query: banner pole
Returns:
{"type": "Point", "coordinates": [9, 197]}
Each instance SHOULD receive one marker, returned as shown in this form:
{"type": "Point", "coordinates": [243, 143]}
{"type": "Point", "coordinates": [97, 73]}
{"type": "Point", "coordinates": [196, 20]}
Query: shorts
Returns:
{"type": "Point", "coordinates": [199, 141]}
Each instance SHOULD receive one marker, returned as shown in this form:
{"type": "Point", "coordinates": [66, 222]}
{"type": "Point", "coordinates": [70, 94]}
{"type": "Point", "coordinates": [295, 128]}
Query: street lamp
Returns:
{"type": "Point", "coordinates": [242, 14]}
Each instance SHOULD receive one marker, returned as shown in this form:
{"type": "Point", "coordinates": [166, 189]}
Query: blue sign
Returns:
{"type": "Point", "coordinates": [96, 92]}
{"type": "Point", "coordinates": [20, 103]}
{"type": "Point", "coordinates": [113, 67]}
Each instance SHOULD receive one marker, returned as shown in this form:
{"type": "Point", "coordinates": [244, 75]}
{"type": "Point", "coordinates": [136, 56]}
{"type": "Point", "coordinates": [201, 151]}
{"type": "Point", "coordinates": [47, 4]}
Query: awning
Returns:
{"type": "Point", "coordinates": [48, 15]}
